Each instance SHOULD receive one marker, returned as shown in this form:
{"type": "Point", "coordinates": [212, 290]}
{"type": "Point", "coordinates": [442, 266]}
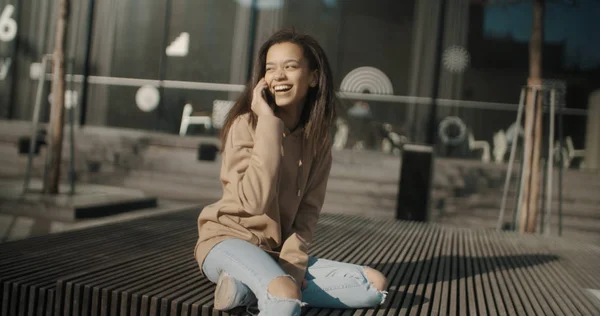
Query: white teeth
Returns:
{"type": "Point", "coordinates": [282, 87]}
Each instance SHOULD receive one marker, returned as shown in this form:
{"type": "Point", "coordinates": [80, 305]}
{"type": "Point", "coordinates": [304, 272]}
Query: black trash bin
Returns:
{"type": "Point", "coordinates": [415, 183]}
{"type": "Point", "coordinates": [25, 143]}
{"type": "Point", "coordinates": [207, 152]}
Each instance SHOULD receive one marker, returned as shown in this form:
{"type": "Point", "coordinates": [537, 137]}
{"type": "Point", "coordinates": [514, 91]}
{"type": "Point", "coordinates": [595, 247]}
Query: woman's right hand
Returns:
{"type": "Point", "coordinates": [259, 104]}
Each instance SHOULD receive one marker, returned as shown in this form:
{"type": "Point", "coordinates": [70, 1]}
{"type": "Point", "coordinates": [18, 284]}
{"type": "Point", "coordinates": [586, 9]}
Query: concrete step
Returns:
{"type": "Point", "coordinates": [360, 166]}
{"type": "Point", "coordinates": [184, 161]}
{"type": "Point", "coordinates": [15, 226]}
{"type": "Point", "coordinates": [500, 169]}
{"type": "Point", "coordinates": [494, 201]}
{"type": "Point", "coordinates": [89, 200]}
{"type": "Point", "coordinates": [364, 201]}
{"type": "Point", "coordinates": [168, 186]}
{"type": "Point", "coordinates": [587, 195]}
{"type": "Point", "coordinates": [336, 208]}
{"type": "Point", "coordinates": [184, 187]}
{"type": "Point", "coordinates": [490, 217]}
{"type": "Point", "coordinates": [353, 186]}
{"type": "Point", "coordinates": [589, 234]}
{"type": "Point", "coordinates": [568, 232]}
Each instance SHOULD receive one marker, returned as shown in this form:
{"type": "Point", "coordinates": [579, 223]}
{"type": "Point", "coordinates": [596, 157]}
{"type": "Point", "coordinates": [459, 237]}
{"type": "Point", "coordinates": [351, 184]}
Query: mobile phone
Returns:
{"type": "Point", "coordinates": [269, 98]}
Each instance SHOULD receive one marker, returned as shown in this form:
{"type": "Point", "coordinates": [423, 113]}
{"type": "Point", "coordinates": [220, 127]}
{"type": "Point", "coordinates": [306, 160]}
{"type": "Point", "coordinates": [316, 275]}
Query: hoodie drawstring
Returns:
{"type": "Point", "coordinates": [299, 173]}
{"type": "Point", "coordinates": [300, 164]}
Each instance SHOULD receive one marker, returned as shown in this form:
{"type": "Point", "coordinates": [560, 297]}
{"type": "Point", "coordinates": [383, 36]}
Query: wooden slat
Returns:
{"type": "Point", "coordinates": [434, 272]}
{"type": "Point", "coordinates": [401, 273]}
{"type": "Point", "coordinates": [419, 274]}
{"type": "Point", "coordinates": [476, 288]}
{"type": "Point", "coordinates": [555, 300]}
{"type": "Point", "coordinates": [501, 299]}
{"type": "Point", "coordinates": [558, 273]}
{"type": "Point", "coordinates": [390, 241]}
{"type": "Point", "coordinates": [357, 244]}
{"type": "Point", "coordinates": [396, 246]}
{"type": "Point", "coordinates": [444, 301]}
{"type": "Point", "coordinates": [41, 262]}
{"type": "Point", "coordinates": [135, 293]}
{"type": "Point", "coordinates": [146, 267]}
{"type": "Point", "coordinates": [501, 263]}
{"type": "Point", "coordinates": [467, 294]}
{"type": "Point", "coordinates": [418, 301]}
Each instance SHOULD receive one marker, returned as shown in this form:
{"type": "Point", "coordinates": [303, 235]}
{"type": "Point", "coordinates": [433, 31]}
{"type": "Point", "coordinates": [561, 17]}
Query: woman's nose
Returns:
{"type": "Point", "coordinates": [279, 74]}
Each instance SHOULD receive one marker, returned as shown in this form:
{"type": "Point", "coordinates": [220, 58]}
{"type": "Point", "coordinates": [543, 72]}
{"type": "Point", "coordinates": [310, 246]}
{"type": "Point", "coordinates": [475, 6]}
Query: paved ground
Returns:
{"type": "Point", "coordinates": [15, 227]}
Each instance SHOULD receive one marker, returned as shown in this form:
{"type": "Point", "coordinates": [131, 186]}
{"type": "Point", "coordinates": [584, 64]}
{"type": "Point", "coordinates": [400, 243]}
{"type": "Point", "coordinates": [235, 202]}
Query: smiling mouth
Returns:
{"type": "Point", "coordinates": [282, 88]}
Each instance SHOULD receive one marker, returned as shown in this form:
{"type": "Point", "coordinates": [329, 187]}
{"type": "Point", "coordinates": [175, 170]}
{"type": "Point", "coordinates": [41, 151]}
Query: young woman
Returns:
{"type": "Point", "coordinates": [276, 158]}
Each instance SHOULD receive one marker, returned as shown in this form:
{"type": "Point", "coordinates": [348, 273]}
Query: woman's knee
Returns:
{"type": "Point", "coordinates": [376, 278]}
{"type": "Point", "coordinates": [284, 287]}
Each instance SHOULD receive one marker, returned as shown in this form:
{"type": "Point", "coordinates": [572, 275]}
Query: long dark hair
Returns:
{"type": "Point", "coordinates": [318, 114]}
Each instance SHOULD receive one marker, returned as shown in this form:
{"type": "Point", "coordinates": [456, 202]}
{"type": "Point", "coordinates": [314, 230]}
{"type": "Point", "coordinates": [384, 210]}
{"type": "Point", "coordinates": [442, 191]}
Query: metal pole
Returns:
{"type": "Point", "coordinates": [544, 182]}
{"type": "Point", "coordinates": [71, 133]}
{"type": "Point", "coordinates": [431, 131]}
{"type": "Point", "coordinates": [511, 159]}
{"type": "Point", "coordinates": [162, 64]}
{"type": "Point", "coordinates": [517, 189]}
{"type": "Point", "coordinates": [74, 101]}
{"type": "Point", "coordinates": [252, 39]}
{"type": "Point", "coordinates": [35, 121]}
{"type": "Point", "coordinates": [560, 169]}
{"type": "Point", "coordinates": [550, 169]}
{"type": "Point", "coordinates": [86, 63]}
{"type": "Point", "coordinates": [12, 105]}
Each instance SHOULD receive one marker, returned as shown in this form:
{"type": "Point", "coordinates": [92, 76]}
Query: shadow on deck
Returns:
{"type": "Point", "coordinates": [146, 267]}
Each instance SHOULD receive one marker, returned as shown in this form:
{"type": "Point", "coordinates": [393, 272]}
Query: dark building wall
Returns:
{"type": "Point", "coordinates": [35, 37]}
{"type": "Point", "coordinates": [138, 47]}
{"type": "Point", "coordinates": [499, 69]}
{"type": "Point", "coordinates": [129, 39]}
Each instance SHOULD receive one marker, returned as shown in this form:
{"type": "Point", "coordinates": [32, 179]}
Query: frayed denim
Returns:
{"type": "Point", "coordinates": [330, 284]}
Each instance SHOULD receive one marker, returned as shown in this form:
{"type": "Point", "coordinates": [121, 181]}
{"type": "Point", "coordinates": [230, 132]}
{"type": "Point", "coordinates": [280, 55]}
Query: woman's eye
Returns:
{"type": "Point", "coordinates": [290, 67]}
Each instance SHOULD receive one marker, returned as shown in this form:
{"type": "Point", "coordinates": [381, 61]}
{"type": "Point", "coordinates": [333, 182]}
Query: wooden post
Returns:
{"type": "Point", "coordinates": [58, 97]}
{"type": "Point", "coordinates": [533, 123]}
{"type": "Point", "coordinates": [537, 43]}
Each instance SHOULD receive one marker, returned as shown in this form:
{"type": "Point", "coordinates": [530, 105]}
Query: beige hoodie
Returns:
{"type": "Point", "coordinates": [273, 190]}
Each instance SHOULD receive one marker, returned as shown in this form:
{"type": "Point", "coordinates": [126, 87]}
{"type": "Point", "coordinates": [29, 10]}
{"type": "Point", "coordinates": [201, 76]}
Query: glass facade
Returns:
{"type": "Point", "coordinates": [136, 64]}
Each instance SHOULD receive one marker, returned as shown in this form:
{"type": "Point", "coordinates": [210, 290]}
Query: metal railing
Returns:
{"type": "Point", "coordinates": [228, 87]}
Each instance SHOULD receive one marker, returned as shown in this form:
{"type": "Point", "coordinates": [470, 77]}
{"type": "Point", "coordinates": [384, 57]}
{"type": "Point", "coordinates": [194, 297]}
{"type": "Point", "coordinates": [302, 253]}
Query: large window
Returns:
{"type": "Point", "coordinates": [488, 66]}
{"type": "Point", "coordinates": [10, 27]}
{"type": "Point", "coordinates": [145, 60]}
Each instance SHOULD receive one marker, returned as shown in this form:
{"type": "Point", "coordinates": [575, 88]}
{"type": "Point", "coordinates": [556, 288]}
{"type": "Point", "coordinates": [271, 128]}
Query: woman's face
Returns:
{"type": "Point", "coordinates": [288, 75]}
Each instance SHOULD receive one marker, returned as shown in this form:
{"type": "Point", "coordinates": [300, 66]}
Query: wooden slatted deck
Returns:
{"type": "Point", "coordinates": [146, 267]}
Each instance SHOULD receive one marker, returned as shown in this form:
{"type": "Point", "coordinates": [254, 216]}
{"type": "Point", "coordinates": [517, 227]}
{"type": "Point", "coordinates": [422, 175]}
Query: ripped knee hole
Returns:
{"type": "Point", "coordinates": [284, 287]}
{"type": "Point", "coordinates": [377, 279]}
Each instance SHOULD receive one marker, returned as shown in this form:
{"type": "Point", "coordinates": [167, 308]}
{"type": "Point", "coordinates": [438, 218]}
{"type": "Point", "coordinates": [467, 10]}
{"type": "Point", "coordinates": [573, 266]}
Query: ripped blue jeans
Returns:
{"type": "Point", "coordinates": [330, 284]}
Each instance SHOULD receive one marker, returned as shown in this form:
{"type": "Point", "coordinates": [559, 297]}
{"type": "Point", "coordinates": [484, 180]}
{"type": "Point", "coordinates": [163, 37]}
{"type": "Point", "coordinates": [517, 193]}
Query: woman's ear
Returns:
{"type": "Point", "coordinates": [314, 78]}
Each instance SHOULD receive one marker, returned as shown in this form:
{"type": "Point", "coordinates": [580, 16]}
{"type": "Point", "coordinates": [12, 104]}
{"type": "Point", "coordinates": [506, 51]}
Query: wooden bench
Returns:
{"type": "Point", "coordinates": [146, 267]}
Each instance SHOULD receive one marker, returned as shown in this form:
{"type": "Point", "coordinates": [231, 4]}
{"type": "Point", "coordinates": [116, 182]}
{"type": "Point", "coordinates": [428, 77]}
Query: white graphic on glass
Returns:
{"type": "Point", "coordinates": [70, 98]}
{"type": "Point", "coordinates": [8, 26]}
{"type": "Point", "coordinates": [4, 68]}
{"type": "Point", "coordinates": [220, 110]}
{"type": "Point", "coordinates": [147, 98]}
{"type": "Point", "coordinates": [35, 71]}
{"type": "Point", "coordinates": [263, 4]}
{"type": "Point", "coordinates": [367, 80]}
{"type": "Point", "coordinates": [179, 47]}
{"type": "Point", "coordinates": [456, 59]}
